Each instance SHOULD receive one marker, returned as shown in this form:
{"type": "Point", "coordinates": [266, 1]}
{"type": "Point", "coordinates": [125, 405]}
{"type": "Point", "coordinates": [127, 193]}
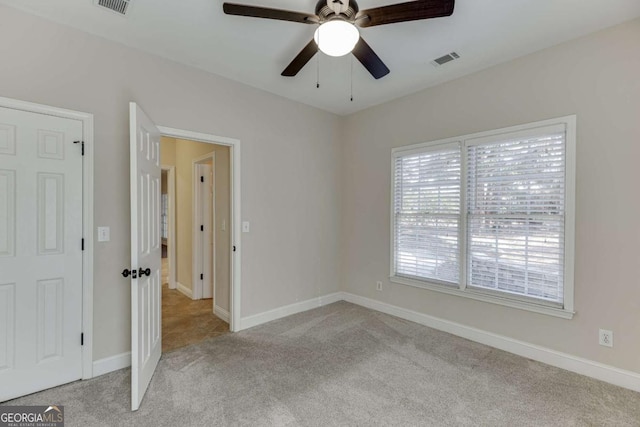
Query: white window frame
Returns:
{"type": "Point", "coordinates": [566, 310]}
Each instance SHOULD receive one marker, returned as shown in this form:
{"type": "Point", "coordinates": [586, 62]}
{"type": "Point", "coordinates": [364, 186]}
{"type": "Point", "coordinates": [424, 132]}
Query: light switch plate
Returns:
{"type": "Point", "coordinates": [104, 234]}
{"type": "Point", "coordinates": [245, 226]}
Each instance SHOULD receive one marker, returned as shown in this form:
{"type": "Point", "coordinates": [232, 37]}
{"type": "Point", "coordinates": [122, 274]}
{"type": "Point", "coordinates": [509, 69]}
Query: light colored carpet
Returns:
{"type": "Point", "coordinates": [346, 365]}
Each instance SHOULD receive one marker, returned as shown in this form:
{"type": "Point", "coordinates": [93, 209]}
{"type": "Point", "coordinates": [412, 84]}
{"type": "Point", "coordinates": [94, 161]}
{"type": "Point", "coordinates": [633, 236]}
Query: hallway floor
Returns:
{"type": "Point", "coordinates": [185, 321]}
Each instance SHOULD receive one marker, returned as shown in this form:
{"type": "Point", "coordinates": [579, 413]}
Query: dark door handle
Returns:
{"type": "Point", "coordinates": [126, 272]}
{"type": "Point", "coordinates": [144, 272]}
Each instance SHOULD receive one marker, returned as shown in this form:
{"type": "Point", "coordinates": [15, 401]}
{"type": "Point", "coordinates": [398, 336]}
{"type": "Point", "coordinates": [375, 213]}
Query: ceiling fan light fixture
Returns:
{"type": "Point", "coordinates": [337, 37]}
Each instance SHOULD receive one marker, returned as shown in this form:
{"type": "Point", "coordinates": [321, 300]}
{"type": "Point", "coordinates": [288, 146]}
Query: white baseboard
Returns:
{"type": "Point", "coordinates": [221, 313]}
{"type": "Point", "coordinates": [288, 310]}
{"type": "Point", "coordinates": [110, 364]}
{"type": "Point", "coordinates": [579, 365]}
{"type": "Point", "coordinates": [184, 290]}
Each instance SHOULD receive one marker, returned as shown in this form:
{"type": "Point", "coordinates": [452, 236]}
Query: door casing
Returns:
{"type": "Point", "coordinates": [236, 256]}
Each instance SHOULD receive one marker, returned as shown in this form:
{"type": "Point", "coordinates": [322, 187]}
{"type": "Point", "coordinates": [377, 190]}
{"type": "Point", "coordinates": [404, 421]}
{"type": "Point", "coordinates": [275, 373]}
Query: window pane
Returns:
{"type": "Point", "coordinates": [427, 247]}
{"type": "Point", "coordinates": [427, 215]}
{"type": "Point", "coordinates": [515, 201]}
{"type": "Point", "coordinates": [517, 255]}
{"type": "Point", "coordinates": [164, 209]}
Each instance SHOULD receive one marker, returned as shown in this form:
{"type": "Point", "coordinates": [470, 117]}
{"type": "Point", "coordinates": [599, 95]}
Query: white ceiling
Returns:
{"type": "Point", "coordinates": [255, 51]}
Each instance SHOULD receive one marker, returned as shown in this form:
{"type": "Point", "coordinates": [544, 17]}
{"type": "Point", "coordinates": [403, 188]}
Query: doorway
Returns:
{"type": "Point", "coordinates": [195, 224]}
{"type": "Point", "coordinates": [167, 225]}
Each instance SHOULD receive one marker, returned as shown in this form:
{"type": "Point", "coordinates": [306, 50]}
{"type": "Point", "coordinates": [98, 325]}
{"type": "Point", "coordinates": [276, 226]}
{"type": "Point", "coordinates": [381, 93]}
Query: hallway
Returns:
{"type": "Point", "coordinates": [186, 321]}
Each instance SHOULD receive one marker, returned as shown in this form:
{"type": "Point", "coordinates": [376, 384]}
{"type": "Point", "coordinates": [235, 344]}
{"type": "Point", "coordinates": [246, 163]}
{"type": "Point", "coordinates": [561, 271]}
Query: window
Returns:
{"type": "Point", "coordinates": [427, 214]}
{"type": "Point", "coordinates": [164, 214]}
{"type": "Point", "coordinates": [489, 216]}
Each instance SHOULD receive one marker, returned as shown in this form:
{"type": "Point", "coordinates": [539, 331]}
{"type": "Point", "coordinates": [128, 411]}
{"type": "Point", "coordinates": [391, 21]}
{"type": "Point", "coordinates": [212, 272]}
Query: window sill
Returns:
{"type": "Point", "coordinates": [486, 297]}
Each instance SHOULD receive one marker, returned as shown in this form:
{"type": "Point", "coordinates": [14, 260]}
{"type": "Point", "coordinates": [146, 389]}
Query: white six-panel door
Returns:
{"type": "Point", "coordinates": [40, 252]}
{"type": "Point", "coordinates": [146, 290]}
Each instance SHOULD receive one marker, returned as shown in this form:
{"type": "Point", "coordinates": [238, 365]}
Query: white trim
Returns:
{"type": "Point", "coordinates": [524, 131]}
{"type": "Point", "coordinates": [570, 212]}
{"type": "Point", "coordinates": [566, 310]}
{"type": "Point", "coordinates": [517, 128]}
{"type": "Point", "coordinates": [198, 136]}
{"type": "Point", "coordinates": [112, 363]}
{"type": "Point", "coordinates": [87, 219]}
{"type": "Point", "coordinates": [236, 257]}
{"type": "Point", "coordinates": [579, 365]}
{"type": "Point", "coordinates": [221, 313]}
{"type": "Point", "coordinates": [171, 241]}
{"type": "Point", "coordinates": [287, 310]}
{"type": "Point", "coordinates": [204, 158]}
{"type": "Point", "coordinates": [87, 216]}
{"type": "Point", "coordinates": [184, 290]}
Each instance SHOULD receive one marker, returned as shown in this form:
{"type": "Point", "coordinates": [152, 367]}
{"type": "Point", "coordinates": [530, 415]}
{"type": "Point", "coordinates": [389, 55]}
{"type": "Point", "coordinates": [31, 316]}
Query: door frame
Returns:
{"type": "Point", "coordinates": [171, 240]}
{"type": "Point", "coordinates": [234, 242]}
{"type": "Point", "coordinates": [196, 238]}
{"type": "Point", "coordinates": [87, 215]}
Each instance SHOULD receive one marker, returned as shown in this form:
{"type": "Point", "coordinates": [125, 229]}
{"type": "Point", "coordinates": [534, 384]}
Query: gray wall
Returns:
{"type": "Point", "coordinates": [290, 160]}
{"type": "Point", "coordinates": [595, 77]}
{"type": "Point", "coordinates": [316, 187]}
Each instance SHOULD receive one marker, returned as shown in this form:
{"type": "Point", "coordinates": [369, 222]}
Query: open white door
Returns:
{"type": "Point", "coordinates": [146, 288]}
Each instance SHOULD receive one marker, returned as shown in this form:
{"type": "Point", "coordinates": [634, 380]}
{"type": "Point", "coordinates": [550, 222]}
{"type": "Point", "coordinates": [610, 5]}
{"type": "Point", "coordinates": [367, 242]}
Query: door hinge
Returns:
{"type": "Point", "coordinates": [202, 228]}
{"type": "Point", "coordinates": [234, 248]}
{"type": "Point", "coordinates": [82, 338]}
{"type": "Point", "coordinates": [201, 178]}
{"type": "Point", "coordinates": [202, 277]}
{"type": "Point", "coordinates": [82, 244]}
{"type": "Point", "coordinates": [81, 144]}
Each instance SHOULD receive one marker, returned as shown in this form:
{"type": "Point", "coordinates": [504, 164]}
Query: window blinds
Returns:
{"type": "Point", "coordinates": [515, 222]}
{"type": "Point", "coordinates": [427, 214]}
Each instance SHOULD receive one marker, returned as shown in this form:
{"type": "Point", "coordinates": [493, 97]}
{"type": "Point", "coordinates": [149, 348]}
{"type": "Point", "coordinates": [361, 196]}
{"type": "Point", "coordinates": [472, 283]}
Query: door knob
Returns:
{"type": "Point", "coordinates": [126, 272]}
{"type": "Point", "coordinates": [146, 271]}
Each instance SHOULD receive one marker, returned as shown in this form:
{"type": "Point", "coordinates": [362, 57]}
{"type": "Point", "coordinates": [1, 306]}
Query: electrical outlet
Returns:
{"type": "Point", "coordinates": [606, 338]}
{"type": "Point", "coordinates": [379, 285]}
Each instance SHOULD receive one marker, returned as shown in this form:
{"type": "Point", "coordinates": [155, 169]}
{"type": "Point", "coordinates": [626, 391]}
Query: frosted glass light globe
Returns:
{"type": "Point", "coordinates": [336, 38]}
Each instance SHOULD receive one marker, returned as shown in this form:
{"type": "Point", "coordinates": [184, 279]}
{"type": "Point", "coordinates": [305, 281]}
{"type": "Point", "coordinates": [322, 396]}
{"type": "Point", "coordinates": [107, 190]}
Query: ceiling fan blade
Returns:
{"type": "Point", "coordinates": [369, 59]}
{"type": "Point", "coordinates": [403, 12]}
{"type": "Point", "coordinates": [301, 60]}
{"type": "Point", "coordinates": [263, 12]}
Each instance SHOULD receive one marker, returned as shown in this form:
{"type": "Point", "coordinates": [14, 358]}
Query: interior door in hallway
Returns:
{"type": "Point", "coordinates": [146, 249]}
{"type": "Point", "coordinates": [40, 252]}
{"type": "Point", "coordinates": [208, 248]}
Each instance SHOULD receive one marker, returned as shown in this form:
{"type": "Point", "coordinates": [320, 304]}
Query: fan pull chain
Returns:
{"type": "Point", "coordinates": [318, 64]}
{"type": "Point", "coordinates": [351, 78]}
{"type": "Point", "coordinates": [318, 70]}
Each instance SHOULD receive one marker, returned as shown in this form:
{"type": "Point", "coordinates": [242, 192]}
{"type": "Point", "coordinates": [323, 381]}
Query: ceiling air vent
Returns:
{"type": "Point", "coordinates": [118, 6]}
{"type": "Point", "coordinates": [444, 59]}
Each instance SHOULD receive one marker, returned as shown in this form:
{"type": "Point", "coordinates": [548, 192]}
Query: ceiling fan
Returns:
{"type": "Point", "coordinates": [337, 34]}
